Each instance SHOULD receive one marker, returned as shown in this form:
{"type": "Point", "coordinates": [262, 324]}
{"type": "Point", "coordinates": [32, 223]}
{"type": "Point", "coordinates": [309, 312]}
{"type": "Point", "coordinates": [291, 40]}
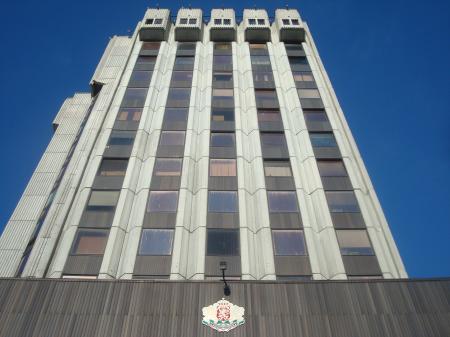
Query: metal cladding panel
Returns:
{"type": "Point", "coordinates": [64, 308]}
{"type": "Point", "coordinates": [221, 30]}
{"type": "Point", "coordinates": [189, 31]}
{"type": "Point", "coordinates": [289, 32]}
{"type": "Point", "coordinates": [155, 31]}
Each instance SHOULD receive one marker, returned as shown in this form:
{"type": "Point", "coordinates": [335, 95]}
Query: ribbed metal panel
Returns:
{"type": "Point", "coordinates": [29, 207]}
{"type": "Point", "coordinates": [15, 233]}
{"type": "Point", "coordinates": [40, 183]}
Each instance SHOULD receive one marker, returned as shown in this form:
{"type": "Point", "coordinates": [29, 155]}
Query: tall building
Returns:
{"type": "Point", "coordinates": [205, 144]}
{"type": "Point", "coordinates": [200, 143]}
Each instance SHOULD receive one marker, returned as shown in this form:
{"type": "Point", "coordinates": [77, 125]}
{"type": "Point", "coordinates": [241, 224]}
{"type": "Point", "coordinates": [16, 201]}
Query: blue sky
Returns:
{"type": "Point", "coordinates": [388, 62]}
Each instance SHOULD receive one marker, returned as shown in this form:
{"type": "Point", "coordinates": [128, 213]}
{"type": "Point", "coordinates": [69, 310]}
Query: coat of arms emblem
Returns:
{"type": "Point", "coordinates": [223, 316]}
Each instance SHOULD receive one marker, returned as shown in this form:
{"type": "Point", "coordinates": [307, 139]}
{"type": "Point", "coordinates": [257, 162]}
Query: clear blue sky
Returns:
{"type": "Point", "coordinates": [388, 62]}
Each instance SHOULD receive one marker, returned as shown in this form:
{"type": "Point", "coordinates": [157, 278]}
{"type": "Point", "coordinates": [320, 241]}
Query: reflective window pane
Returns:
{"type": "Point", "coordinates": [222, 201]}
{"type": "Point", "coordinates": [134, 97]}
{"type": "Point", "coordinates": [263, 77]}
{"type": "Point", "coordinates": [269, 115]}
{"type": "Point", "coordinates": [300, 60]}
{"type": "Point", "coordinates": [223, 59]}
{"type": "Point", "coordinates": [140, 79]}
{"type": "Point", "coordinates": [222, 46]}
{"type": "Point", "coordinates": [103, 199]}
{"type": "Point", "coordinates": [288, 242]}
{"type": "Point", "coordinates": [162, 201]}
{"type": "Point", "coordinates": [222, 139]}
{"type": "Point", "coordinates": [168, 167]}
{"type": "Point", "coordinates": [331, 168]}
{"type": "Point", "coordinates": [90, 242]}
{"type": "Point", "coordinates": [354, 242]}
{"type": "Point", "coordinates": [121, 138]}
{"type": "Point", "coordinates": [182, 76]}
{"type": "Point", "coordinates": [150, 45]}
{"type": "Point", "coordinates": [260, 60]}
{"type": "Point", "coordinates": [113, 167]}
{"type": "Point", "coordinates": [222, 114]}
{"type": "Point", "coordinates": [222, 93]}
{"type": "Point", "coordinates": [315, 116]}
{"type": "Point", "coordinates": [156, 242]}
{"type": "Point", "coordinates": [282, 202]}
{"type": "Point", "coordinates": [176, 114]}
{"type": "Point", "coordinates": [222, 167]}
{"type": "Point", "coordinates": [179, 96]}
{"type": "Point", "coordinates": [222, 77]}
{"type": "Point", "coordinates": [184, 61]}
{"type": "Point", "coordinates": [342, 202]}
{"type": "Point", "coordinates": [273, 139]}
{"type": "Point", "coordinates": [172, 138]}
{"type": "Point", "coordinates": [322, 139]}
{"type": "Point", "coordinates": [222, 242]}
{"type": "Point", "coordinates": [303, 76]}
{"type": "Point", "coordinates": [129, 114]}
{"type": "Point", "coordinates": [308, 93]}
{"type": "Point", "coordinates": [277, 169]}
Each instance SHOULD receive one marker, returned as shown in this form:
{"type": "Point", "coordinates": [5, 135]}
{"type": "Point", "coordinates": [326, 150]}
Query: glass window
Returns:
{"type": "Point", "coordinates": [286, 22]}
{"type": "Point", "coordinates": [121, 138]}
{"type": "Point", "coordinates": [186, 46]}
{"type": "Point", "coordinates": [149, 21]}
{"type": "Point", "coordinates": [162, 201]}
{"type": "Point", "coordinates": [222, 201]}
{"type": "Point", "coordinates": [223, 59]}
{"type": "Point", "coordinates": [179, 96]}
{"type": "Point", "coordinates": [282, 202]}
{"type": "Point", "coordinates": [323, 139]}
{"type": "Point", "coordinates": [90, 242]}
{"type": "Point", "coordinates": [184, 61]}
{"type": "Point", "coordinates": [222, 139]}
{"type": "Point", "coordinates": [103, 199]}
{"type": "Point", "coordinates": [217, 21]}
{"type": "Point", "coordinates": [277, 168]}
{"type": "Point", "coordinates": [354, 242]}
{"type": "Point", "coordinates": [168, 167]}
{"type": "Point", "coordinates": [183, 21]}
{"type": "Point", "coordinates": [288, 242]}
{"type": "Point", "coordinates": [134, 97]}
{"type": "Point", "coordinates": [273, 139]}
{"type": "Point", "coordinates": [266, 97]}
{"type": "Point", "coordinates": [251, 21]}
{"type": "Point", "coordinates": [222, 77]}
{"type": "Point", "coordinates": [295, 22]}
{"type": "Point", "coordinates": [158, 21]}
{"type": "Point", "coordinates": [293, 47]}
{"type": "Point", "coordinates": [113, 167]}
{"type": "Point", "coordinates": [156, 242]}
{"type": "Point", "coordinates": [227, 21]}
{"type": "Point", "coordinates": [261, 21]}
{"type": "Point", "coordinates": [315, 116]}
{"type": "Point", "coordinates": [269, 115]}
{"type": "Point", "coordinates": [222, 46]}
{"type": "Point", "coordinates": [331, 168]}
{"type": "Point", "coordinates": [176, 114]}
{"type": "Point", "coordinates": [222, 167]}
{"type": "Point", "coordinates": [182, 76]}
{"type": "Point", "coordinates": [260, 60]}
{"type": "Point", "coordinates": [129, 114]}
{"type": "Point", "coordinates": [303, 76]}
{"type": "Point", "coordinates": [258, 46]}
{"type": "Point", "coordinates": [263, 77]}
{"type": "Point", "coordinates": [172, 138]}
{"type": "Point", "coordinates": [150, 46]}
{"type": "Point", "coordinates": [192, 21]}
{"type": "Point", "coordinates": [222, 92]}
{"type": "Point", "coordinates": [298, 60]}
{"type": "Point", "coordinates": [145, 63]}
{"type": "Point", "coordinates": [222, 242]}
{"type": "Point", "coordinates": [222, 114]}
{"type": "Point", "coordinates": [140, 79]}
{"type": "Point", "coordinates": [342, 202]}
{"type": "Point", "coordinates": [308, 93]}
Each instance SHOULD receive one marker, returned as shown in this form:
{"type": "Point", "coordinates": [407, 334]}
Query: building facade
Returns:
{"type": "Point", "coordinates": [203, 142]}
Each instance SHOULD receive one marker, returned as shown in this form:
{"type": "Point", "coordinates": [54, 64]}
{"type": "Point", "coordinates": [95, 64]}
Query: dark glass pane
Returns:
{"type": "Point", "coordinates": [222, 46]}
{"type": "Point", "coordinates": [222, 114]}
{"type": "Point", "coordinates": [186, 46]}
{"type": "Point", "coordinates": [354, 242]}
{"type": "Point", "coordinates": [121, 138]}
{"type": "Point", "coordinates": [176, 114]}
{"type": "Point", "coordinates": [223, 59]}
{"type": "Point", "coordinates": [113, 167]}
{"type": "Point", "coordinates": [145, 63]}
{"type": "Point", "coordinates": [150, 46]}
{"type": "Point", "coordinates": [269, 115]}
{"type": "Point", "coordinates": [263, 77]}
{"type": "Point", "coordinates": [277, 169]}
{"type": "Point", "coordinates": [222, 139]}
{"type": "Point", "coordinates": [260, 60]}
{"type": "Point", "coordinates": [156, 242]}
{"type": "Point", "coordinates": [308, 93]}
{"type": "Point", "coordinates": [90, 242]}
{"type": "Point", "coordinates": [222, 201]}
{"type": "Point", "coordinates": [223, 77]}
{"type": "Point", "coordinates": [342, 202]}
{"type": "Point", "coordinates": [288, 242]}
{"type": "Point", "coordinates": [331, 168]}
{"type": "Point", "coordinates": [222, 167]}
{"type": "Point", "coordinates": [222, 93]}
{"type": "Point", "coordinates": [301, 60]}
{"type": "Point", "coordinates": [303, 76]}
{"type": "Point", "coordinates": [281, 202]}
{"type": "Point", "coordinates": [273, 139]}
{"type": "Point", "coordinates": [162, 201]}
{"type": "Point", "coordinates": [222, 242]}
{"type": "Point", "coordinates": [167, 167]}
{"type": "Point", "coordinates": [293, 47]}
{"type": "Point", "coordinates": [315, 116]}
{"type": "Point", "coordinates": [134, 97]}
{"type": "Point", "coordinates": [323, 139]}
{"type": "Point", "coordinates": [179, 96]}
{"type": "Point", "coordinates": [172, 138]}
{"type": "Point", "coordinates": [140, 79]}
{"type": "Point", "coordinates": [129, 114]}
{"type": "Point", "coordinates": [182, 76]}
{"type": "Point", "coordinates": [103, 199]}
{"type": "Point", "coordinates": [184, 61]}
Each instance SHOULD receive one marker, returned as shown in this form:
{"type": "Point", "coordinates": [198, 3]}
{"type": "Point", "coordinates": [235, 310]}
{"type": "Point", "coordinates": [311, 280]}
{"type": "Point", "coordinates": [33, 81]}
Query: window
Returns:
{"type": "Point", "coordinates": [285, 21]}
{"type": "Point", "coordinates": [134, 97]}
{"type": "Point", "coordinates": [145, 63]}
{"type": "Point", "coordinates": [183, 21]}
{"type": "Point", "coordinates": [121, 138]}
{"type": "Point", "coordinates": [192, 21]}
{"type": "Point", "coordinates": [277, 169]}
{"type": "Point", "coordinates": [179, 96]}
{"type": "Point", "coordinates": [181, 76]}
{"type": "Point", "coordinates": [172, 138]}
{"type": "Point", "coordinates": [273, 139]}
{"type": "Point", "coordinates": [258, 46]}
{"type": "Point", "coordinates": [315, 116]}
{"type": "Point", "coordinates": [298, 60]}
{"type": "Point", "coordinates": [223, 59]}
{"type": "Point", "coordinates": [269, 115]}
{"type": "Point", "coordinates": [222, 167]}
{"type": "Point", "coordinates": [113, 167]}
{"type": "Point", "coordinates": [282, 202]}
{"type": "Point", "coordinates": [129, 114]}
{"type": "Point", "coordinates": [222, 93]}
{"type": "Point", "coordinates": [260, 60]}
{"type": "Point", "coordinates": [354, 242]}
{"type": "Point", "coordinates": [156, 242]}
{"type": "Point", "coordinates": [222, 139]}
{"type": "Point", "coordinates": [184, 61]}
{"type": "Point", "coordinates": [261, 22]}
{"type": "Point", "coordinates": [150, 46]}
{"type": "Point", "coordinates": [186, 46]}
{"type": "Point", "coordinates": [342, 202]}
{"type": "Point", "coordinates": [303, 76]}
{"type": "Point", "coordinates": [217, 21]}
{"type": "Point", "coordinates": [288, 242]}
{"type": "Point", "coordinates": [162, 201]}
{"type": "Point", "coordinates": [167, 167]}
{"type": "Point", "coordinates": [266, 99]}
{"type": "Point", "coordinates": [293, 47]}
{"type": "Point", "coordinates": [251, 21]}
{"type": "Point", "coordinates": [263, 77]}
{"type": "Point", "coordinates": [222, 114]}
{"type": "Point", "coordinates": [222, 46]}
{"type": "Point", "coordinates": [295, 22]}
{"type": "Point", "coordinates": [176, 115]}
{"type": "Point", "coordinates": [331, 168]}
{"type": "Point", "coordinates": [90, 242]}
{"type": "Point", "coordinates": [222, 77]}
{"type": "Point", "coordinates": [140, 79]}
{"type": "Point", "coordinates": [158, 21]}
{"type": "Point", "coordinates": [308, 93]}
{"type": "Point", "coordinates": [323, 139]}
{"type": "Point", "coordinates": [102, 200]}
{"type": "Point", "coordinates": [222, 201]}
{"type": "Point", "coordinates": [222, 242]}
{"type": "Point", "coordinates": [227, 21]}
{"type": "Point", "coordinates": [149, 21]}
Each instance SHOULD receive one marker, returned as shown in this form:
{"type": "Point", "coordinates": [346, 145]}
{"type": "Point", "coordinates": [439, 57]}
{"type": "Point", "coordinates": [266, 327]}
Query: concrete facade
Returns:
{"type": "Point", "coordinates": [86, 123]}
